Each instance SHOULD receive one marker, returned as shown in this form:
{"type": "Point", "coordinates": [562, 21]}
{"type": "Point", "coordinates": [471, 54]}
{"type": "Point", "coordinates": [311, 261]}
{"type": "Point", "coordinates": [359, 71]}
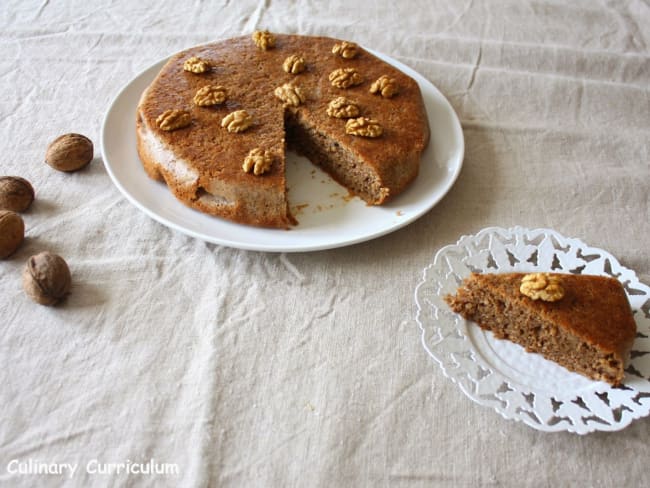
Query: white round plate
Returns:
{"type": "Point", "coordinates": [499, 374]}
{"type": "Point", "coordinates": [328, 217]}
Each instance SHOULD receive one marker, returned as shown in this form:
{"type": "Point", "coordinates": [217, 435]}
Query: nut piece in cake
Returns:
{"type": "Point", "coordinates": [174, 119]}
{"type": "Point", "coordinates": [542, 286]}
{"type": "Point", "coordinates": [237, 121]}
{"type": "Point", "coordinates": [258, 161]}
{"type": "Point", "coordinates": [290, 94]}
{"type": "Point", "coordinates": [210, 95]}
{"type": "Point", "coordinates": [342, 108]}
{"type": "Point", "coordinates": [345, 77]}
{"type": "Point", "coordinates": [364, 127]}
{"type": "Point", "coordinates": [264, 40]}
{"type": "Point", "coordinates": [196, 65]}
{"type": "Point", "coordinates": [347, 50]}
{"type": "Point", "coordinates": [294, 64]}
{"type": "Point", "coordinates": [385, 86]}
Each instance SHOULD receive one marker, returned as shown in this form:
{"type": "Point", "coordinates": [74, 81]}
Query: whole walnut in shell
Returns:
{"type": "Point", "coordinates": [46, 278]}
{"type": "Point", "coordinates": [16, 193]}
{"type": "Point", "coordinates": [12, 232]}
{"type": "Point", "coordinates": [69, 152]}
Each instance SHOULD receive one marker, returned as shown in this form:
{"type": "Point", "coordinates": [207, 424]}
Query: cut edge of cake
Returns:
{"type": "Point", "coordinates": [349, 169]}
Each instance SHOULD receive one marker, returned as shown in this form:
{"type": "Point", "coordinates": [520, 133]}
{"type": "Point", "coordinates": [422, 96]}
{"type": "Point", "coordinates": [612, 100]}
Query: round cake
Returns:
{"type": "Point", "coordinates": [216, 121]}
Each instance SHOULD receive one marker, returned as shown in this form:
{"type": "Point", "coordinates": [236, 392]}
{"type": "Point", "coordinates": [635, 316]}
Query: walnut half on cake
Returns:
{"type": "Point", "coordinates": [211, 105]}
{"type": "Point", "coordinates": [582, 322]}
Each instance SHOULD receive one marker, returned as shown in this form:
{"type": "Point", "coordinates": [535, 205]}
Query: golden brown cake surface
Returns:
{"type": "Point", "coordinates": [589, 330]}
{"type": "Point", "coordinates": [202, 162]}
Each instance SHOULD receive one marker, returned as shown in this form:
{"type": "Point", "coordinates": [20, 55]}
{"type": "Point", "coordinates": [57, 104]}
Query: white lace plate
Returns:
{"type": "Point", "coordinates": [499, 374]}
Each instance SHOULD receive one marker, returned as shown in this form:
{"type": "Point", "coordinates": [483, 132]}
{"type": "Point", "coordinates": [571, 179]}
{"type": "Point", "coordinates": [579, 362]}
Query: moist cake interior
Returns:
{"type": "Point", "coordinates": [335, 160]}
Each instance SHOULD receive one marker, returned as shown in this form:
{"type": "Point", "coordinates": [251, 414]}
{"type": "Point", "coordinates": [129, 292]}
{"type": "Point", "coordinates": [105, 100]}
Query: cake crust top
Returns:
{"type": "Point", "coordinates": [250, 76]}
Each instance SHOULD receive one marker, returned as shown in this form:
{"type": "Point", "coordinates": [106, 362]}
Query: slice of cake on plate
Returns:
{"type": "Point", "coordinates": [582, 322]}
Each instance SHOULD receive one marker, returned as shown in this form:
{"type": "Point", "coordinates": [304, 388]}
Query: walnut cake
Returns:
{"type": "Point", "coordinates": [216, 121]}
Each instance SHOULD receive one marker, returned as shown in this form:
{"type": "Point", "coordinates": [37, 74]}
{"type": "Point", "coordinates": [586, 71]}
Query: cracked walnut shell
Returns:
{"type": "Point", "coordinates": [237, 121]}
{"type": "Point", "coordinates": [196, 65]}
{"type": "Point", "coordinates": [46, 278]}
{"type": "Point", "coordinates": [69, 152]}
{"type": "Point", "coordinates": [342, 108]}
{"type": "Point", "coordinates": [542, 286]}
{"type": "Point", "coordinates": [16, 193]}
{"type": "Point", "coordinates": [345, 77]}
{"type": "Point", "coordinates": [12, 232]}
{"type": "Point", "coordinates": [347, 50]}
{"type": "Point", "coordinates": [294, 64]}
{"type": "Point", "coordinates": [290, 94]}
{"type": "Point", "coordinates": [210, 95]}
{"type": "Point", "coordinates": [258, 161]}
{"type": "Point", "coordinates": [364, 127]}
{"type": "Point", "coordinates": [264, 40]}
{"type": "Point", "coordinates": [385, 86]}
{"type": "Point", "coordinates": [174, 119]}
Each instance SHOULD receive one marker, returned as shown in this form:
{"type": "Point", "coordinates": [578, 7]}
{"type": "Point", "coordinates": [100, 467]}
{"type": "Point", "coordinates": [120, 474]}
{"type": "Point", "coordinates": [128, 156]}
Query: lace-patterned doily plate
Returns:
{"type": "Point", "coordinates": [499, 374]}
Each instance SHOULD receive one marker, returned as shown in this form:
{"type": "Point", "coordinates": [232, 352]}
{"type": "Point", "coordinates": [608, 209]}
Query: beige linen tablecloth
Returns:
{"type": "Point", "coordinates": [240, 368]}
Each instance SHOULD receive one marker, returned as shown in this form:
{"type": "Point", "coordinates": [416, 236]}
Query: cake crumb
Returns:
{"type": "Point", "coordinates": [299, 208]}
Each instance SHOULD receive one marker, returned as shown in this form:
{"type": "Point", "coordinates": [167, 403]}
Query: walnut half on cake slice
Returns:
{"type": "Point", "coordinates": [582, 322]}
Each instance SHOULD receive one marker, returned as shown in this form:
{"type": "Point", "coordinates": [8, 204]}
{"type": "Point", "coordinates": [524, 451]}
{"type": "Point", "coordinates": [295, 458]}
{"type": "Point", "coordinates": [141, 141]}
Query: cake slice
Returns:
{"type": "Point", "coordinates": [583, 323]}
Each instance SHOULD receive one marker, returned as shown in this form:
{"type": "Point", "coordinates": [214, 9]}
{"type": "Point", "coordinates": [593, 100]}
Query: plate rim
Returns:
{"type": "Point", "coordinates": [267, 245]}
